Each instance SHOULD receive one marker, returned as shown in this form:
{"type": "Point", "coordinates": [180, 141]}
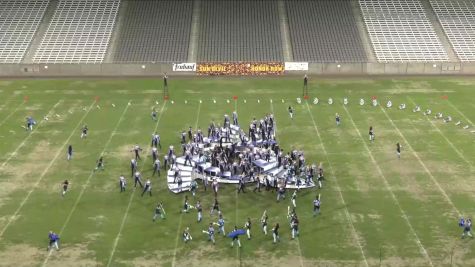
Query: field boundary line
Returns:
{"type": "Point", "coordinates": [124, 219]}
{"type": "Point", "coordinates": [29, 135]}
{"type": "Point", "coordinates": [78, 199]}
{"type": "Point", "coordinates": [460, 112]}
{"type": "Point", "coordinates": [180, 221]}
{"type": "Point", "coordinates": [446, 139]}
{"type": "Point", "coordinates": [275, 133]}
{"type": "Point", "coordinates": [422, 163]}
{"type": "Point", "coordinates": [11, 113]}
{"type": "Point", "coordinates": [338, 188]}
{"type": "Point", "coordinates": [404, 215]}
{"type": "Point", "coordinates": [60, 150]}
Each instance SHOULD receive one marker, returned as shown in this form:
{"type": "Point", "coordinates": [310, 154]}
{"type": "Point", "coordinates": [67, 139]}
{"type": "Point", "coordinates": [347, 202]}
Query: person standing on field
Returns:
{"type": "Point", "coordinates": [65, 187]}
{"type": "Point", "coordinates": [84, 131]}
{"type": "Point", "coordinates": [235, 239]}
{"type": "Point", "coordinates": [247, 226]}
{"type": "Point", "coordinates": [305, 82]}
{"type": "Point", "coordinates": [147, 188]}
{"type": "Point", "coordinates": [53, 240]}
{"type": "Point", "coordinates": [398, 150]}
{"type": "Point", "coordinates": [158, 212]}
{"type": "Point", "coordinates": [133, 167]}
{"type": "Point", "coordinates": [371, 134]}
{"type": "Point", "coordinates": [70, 152]}
{"type": "Point", "coordinates": [291, 112]}
{"type": "Point", "coordinates": [275, 233]}
{"type": "Point", "coordinates": [165, 81]}
{"type": "Point", "coordinates": [122, 183]}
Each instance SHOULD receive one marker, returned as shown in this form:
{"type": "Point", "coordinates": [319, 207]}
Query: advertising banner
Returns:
{"type": "Point", "coordinates": [184, 66]}
{"type": "Point", "coordinates": [302, 66]}
{"type": "Point", "coordinates": [241, 68]}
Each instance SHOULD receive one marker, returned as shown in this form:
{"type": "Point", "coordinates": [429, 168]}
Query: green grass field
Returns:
{"type": "Point", "coordinates": [376, 209]}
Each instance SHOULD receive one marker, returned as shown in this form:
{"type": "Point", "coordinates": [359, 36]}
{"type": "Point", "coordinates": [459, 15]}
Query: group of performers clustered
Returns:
{"type": "Point", "coordinates": [229, 155]}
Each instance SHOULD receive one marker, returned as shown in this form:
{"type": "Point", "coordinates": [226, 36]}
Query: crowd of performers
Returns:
{"type": "Point", "coordinates": [218, 223]}
{"type": "Point", "coordinates": [235, 153]}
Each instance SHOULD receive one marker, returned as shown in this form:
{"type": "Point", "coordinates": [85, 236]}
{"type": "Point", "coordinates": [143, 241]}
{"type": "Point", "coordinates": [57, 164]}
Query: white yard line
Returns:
{"type": "Point", "coordinates": [446, 139]}
{"type": "Point", "coordinates": [460, 113]}
{"type": "Point", "coordinates": [298, 239]}
{"type": "Point", "coordinates": [29, 135]}
{"type": "Point", "coordinates": [60, 151]}
{"type": "Point", "coordinates": [388, 186]}
{"type": "Point", "coordinates": [11, 113]}
{"type": "Point", "coordinates": [87, 182]}
{"type": "Point", "coordinates": [422, 163]}
{"type": "Point", "coordinates": [124, 219]}
{"type": "Point", "coordinates": [330, 165]}
{"type": "Point", "coordinates": [181, 214]}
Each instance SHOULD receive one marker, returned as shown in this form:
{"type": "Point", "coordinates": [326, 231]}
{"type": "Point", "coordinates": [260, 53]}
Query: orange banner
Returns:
{"type": "Point", "coordinates": [243, 68]}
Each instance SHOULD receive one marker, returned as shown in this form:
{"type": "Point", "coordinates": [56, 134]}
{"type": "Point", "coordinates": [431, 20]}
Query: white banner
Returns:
{"type": "Point", "coordinates": [296, 65]}
{"type": "Point", "coordinates": [184, 67]}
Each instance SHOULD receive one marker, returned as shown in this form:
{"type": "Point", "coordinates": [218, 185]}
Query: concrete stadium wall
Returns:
{"type": "Point", "coordinates": [139, 70]}
{"type": "Point", "coordinates": [78, 70]}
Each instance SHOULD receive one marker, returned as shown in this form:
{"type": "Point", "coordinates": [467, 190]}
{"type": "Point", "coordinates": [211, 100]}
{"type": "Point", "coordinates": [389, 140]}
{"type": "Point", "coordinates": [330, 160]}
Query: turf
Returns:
{"type": "Point", "coordinates": [376, 209]}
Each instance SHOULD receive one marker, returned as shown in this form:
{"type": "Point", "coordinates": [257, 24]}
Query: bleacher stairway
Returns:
{"type": "Point", "coordinates": [35, 43]}
{"type": "Point", "coordinates": [439, 31]}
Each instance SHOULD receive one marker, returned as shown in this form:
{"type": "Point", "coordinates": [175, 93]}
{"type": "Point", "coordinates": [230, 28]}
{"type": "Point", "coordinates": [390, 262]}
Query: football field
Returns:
{"type": "Point", "coordinates": [377, 210]}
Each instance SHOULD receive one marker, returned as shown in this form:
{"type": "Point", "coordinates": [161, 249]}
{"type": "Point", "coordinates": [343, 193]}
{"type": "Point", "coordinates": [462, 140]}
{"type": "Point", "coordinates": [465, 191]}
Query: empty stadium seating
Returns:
{"type": "Point", "coordinates": [458, 21]}
{"type": "Point", "coordinates": [79, 32]}
{"type": "Point", "coordinates": [19, 21]}
{"type": "Point", "coordinates": [154, 31]}
{"type": "Point", "coordinates": [400, 31]}
{"type": "Point", "coordinates": [239, 30]}
{"type": "Point", "coordinates": [324, 31]}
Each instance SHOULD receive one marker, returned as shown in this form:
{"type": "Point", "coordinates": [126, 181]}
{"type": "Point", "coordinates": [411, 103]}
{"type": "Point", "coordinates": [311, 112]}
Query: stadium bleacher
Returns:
{"type": "Point", "coordinates": [324, 31]}
{"type": "Point", "coordinates": [400, 31]}
{"type": "Point", "coordinates": [79, 32]}
{"type": "Point", "coordinates": [239, 31]}
{"type": "Point", "coordinates": [166, 31]}
{"type": "Point", "coordinates": [458, 21]}
{"type": "Point", "coordinates": [19, 21]}
{"type": "Point", "coordinates": [154, 31]}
